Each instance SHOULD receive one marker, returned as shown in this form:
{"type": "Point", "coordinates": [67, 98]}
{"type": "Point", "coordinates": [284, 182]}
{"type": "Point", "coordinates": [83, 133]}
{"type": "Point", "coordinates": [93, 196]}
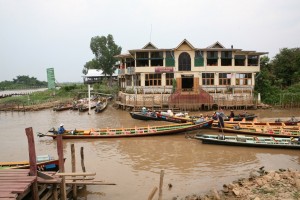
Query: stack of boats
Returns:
{"type": "Point", "coordinates": [259, 134]}
{"type": "Point", "coordinates": [83, 105]}
{"type": "Point", "coordinates": [268, 134]}
{"type": "Point", "coordinates": [260, 128]}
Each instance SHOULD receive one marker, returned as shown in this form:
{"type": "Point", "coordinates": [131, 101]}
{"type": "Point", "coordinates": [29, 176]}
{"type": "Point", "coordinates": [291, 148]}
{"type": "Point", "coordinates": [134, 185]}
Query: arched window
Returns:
{"type": "Point", "coordinates": [184, 63]}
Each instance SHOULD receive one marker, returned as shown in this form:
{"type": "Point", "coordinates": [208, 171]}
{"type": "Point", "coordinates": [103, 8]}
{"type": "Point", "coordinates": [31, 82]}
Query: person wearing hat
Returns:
{"type": "Point", "coordinates": [61, 129]}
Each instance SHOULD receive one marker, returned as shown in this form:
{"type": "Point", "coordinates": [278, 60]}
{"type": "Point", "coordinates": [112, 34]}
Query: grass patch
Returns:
{"type": "Point", "coordinates": [264, 191]}
{"type": "Point", "coordinates": [296, 195]}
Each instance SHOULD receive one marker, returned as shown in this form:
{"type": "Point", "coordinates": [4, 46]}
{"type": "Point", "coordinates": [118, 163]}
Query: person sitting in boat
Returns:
{"type": "Point", "coordinates": [99, 103]}
{"type": "Point", "coordinates": [200, 119]}
{"type": "Point", "coordinates": [144, 110]}
{"type": "Point", "coordinates": [231, 114]}
{"type": "Point", "coordinates": [61, 129]}
{"type": "Point", "coordinates": [215, 117]}
{"type": "Point", "coordinates": [153, 114]}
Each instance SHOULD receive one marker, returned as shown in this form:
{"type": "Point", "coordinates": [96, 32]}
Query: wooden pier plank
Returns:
{"type": "Point", "coordinates": [14, 183]}
{"type": "Point", "coordinates": [7, 195]}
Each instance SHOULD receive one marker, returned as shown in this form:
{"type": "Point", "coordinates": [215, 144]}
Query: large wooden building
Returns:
{"type": "Point", "coordinates": [214, 69]}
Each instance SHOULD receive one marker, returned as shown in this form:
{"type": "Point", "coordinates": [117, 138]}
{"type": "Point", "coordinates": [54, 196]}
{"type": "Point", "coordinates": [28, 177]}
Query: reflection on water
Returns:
{"type": "Point", "coordinates": [134, 164]}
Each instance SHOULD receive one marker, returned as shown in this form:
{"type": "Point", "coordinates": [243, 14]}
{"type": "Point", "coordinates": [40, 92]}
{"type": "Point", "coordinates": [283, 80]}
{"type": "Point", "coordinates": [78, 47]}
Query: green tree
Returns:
{"type": "Point", "coordinates": [93, 64]}
{"type": "Point", "coordinates": [104, 49]}
{"type": "Point", "coordinates": [286, 66]}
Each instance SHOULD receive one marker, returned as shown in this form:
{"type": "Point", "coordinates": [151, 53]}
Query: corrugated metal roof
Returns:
{"type": "Point", "coordinates": [98, 73]}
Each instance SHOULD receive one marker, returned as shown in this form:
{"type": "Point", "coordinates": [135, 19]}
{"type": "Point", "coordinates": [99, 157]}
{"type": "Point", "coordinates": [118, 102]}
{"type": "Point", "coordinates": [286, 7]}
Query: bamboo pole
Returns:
{"type": "Point", "coordinates": [76, 174]}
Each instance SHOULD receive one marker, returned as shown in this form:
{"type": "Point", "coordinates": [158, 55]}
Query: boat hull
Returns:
{"type": "Point", "coordinates": [51, 165]}
{"type": "Point", "coordinates": [158, 117]}
{"type": "Point", "coordinates": [135, 132]}
{"type": "Point", "coordinates": [246, 144]}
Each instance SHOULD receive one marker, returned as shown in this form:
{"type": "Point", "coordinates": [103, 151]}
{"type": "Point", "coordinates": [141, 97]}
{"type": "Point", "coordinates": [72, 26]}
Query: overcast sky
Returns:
{"type": "Point", "coordinates": [40, 34]}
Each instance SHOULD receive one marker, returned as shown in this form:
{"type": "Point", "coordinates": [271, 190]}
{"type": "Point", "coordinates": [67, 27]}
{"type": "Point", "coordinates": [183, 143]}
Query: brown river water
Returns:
{"type": "Point", "coordinates": [134, 164]}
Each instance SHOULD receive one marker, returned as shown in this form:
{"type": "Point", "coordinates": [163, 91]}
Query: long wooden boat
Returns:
{"type": "Point", "coordinates": [241, 140]}
{"type": "Point", "coordinates": [49, 164]}
{"type": "Point", "coordinates": [241, 118]}
{"type": "Point", "coordinates": [146, 116]}
{"type": "Point", "coordinates": [130, 132]}
{"type": "Point", "coordinates": [63, 107]}
{"type": "Point", "coordinates": [262, 131]}
{"type": "Point", "coordinates": [291, 122]}
{"type": "Point", "coordinates": [159, 117]}
{"type": "Point", "coordinates": [100, 108]}
{"type": "Point", "coordinates": [85, 107]}
{"type": "Point", "coordinates": [255, 124]}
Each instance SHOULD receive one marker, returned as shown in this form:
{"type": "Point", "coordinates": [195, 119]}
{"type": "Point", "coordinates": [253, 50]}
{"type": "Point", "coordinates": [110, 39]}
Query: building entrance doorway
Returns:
{"type": "Point", "coordinates": [187, 82]}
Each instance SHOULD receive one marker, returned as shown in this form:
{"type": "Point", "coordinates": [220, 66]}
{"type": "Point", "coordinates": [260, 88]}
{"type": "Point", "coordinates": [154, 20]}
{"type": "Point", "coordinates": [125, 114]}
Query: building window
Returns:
{"type": "Point", "coordinates": [224, 79]}
{"type": "Point", "coordinates": [169, 78]}
{"type": "Point", "coordinates": [170, 61]}
{"type": "Point", "coordinates": [129, 62]}
{"type": "Point", "coordinates": [226, 58]}
{"type": "Point", "coordinates": [157, 59]}
{"type": "Point", "coordinates": [142, 59]}
{"type": "Point", "coordinates": [199, 60]}
{"type": "Point", "coordinates": [128, 80]}
{"type": "Point", "coordinates": [152, 79]}
{"type": "Point", "coordinates": [212, 58]}
{"type": "Point", "coordinates": [252, 60]}
{"type": "Point", "coordinates": [137, 80]}
{"type": "Point", "coordinates": [243, 79]}
{"type": "Point", "coordinates": [239, 60]}
{"type": "Point", "coordinates": [184, 62]}
{"type": "Point", "coordinates": [208, 79]}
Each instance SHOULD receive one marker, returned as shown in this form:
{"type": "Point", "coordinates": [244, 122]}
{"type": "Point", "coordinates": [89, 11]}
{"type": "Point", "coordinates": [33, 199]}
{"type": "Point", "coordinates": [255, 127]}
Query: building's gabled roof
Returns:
{"type": "Point", "coordinates": [216, 45]}
{"type": "Point", "coordinates": [125, 55]}
{"type": "Point", "coordinates": [149, 45]}
{"type": "Point", "coordinates": [185, 42]}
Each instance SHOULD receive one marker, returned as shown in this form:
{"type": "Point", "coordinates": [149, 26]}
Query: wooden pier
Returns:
{"type": "Point", "coordinates": [15, 183]}
{"type": "Point", "coordinates": [32, 184]}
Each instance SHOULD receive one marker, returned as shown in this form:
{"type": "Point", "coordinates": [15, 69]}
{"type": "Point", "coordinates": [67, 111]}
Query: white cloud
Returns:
{"type": "Point", "coordinates": [39, 34]}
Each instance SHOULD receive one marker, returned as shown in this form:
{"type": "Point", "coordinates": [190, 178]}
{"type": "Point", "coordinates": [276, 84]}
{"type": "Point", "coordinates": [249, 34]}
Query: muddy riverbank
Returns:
{"type": "Point", "coordinates": [260, 185]}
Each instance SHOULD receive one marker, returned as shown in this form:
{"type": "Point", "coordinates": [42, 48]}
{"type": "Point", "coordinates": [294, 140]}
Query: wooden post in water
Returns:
{"type": "Point", "coordinates": [74, 170]}
{"type": "Point", "coordinates": [152, 193]}
{"type": "Point", "coordinates": [161, 184]}
{"type": "Point", "coordinates": [63, 194]}
{"type": "Point", "coordinates": [82, 159]}
{"type": "Point", "coordinates": [32, 161]}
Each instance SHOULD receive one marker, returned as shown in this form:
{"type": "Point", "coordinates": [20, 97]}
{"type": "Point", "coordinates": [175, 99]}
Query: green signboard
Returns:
{"type": "Point", "coordinates": [51, 78]}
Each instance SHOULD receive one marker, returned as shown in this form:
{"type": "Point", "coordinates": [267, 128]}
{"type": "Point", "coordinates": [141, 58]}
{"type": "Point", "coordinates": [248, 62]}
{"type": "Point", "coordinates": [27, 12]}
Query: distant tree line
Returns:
{"type": "Point", "coordinates": [278, 81]}
{"type": "Point", "coordinates": [22, 82]}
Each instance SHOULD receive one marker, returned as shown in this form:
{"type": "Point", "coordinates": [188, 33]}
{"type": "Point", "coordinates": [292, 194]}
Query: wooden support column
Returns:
{"type": "Point", "coordinates": [63, 194]}
{"type": "Point", "coordinates": [32, 161]}
{"type": "Point", "coordinates": [74, 170]}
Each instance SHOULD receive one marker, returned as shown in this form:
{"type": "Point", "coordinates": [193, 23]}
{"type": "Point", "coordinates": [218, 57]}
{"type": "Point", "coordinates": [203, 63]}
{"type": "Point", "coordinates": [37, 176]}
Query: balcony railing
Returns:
{"type": "Point", "coordinates": [130, 70]}
{"type": "Point", "coordinates": [121, 71]}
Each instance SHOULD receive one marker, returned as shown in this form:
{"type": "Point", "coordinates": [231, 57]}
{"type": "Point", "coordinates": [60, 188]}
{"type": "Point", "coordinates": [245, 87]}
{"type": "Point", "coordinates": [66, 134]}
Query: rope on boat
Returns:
{"type": "Point", "coordinates": [41, 134]}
